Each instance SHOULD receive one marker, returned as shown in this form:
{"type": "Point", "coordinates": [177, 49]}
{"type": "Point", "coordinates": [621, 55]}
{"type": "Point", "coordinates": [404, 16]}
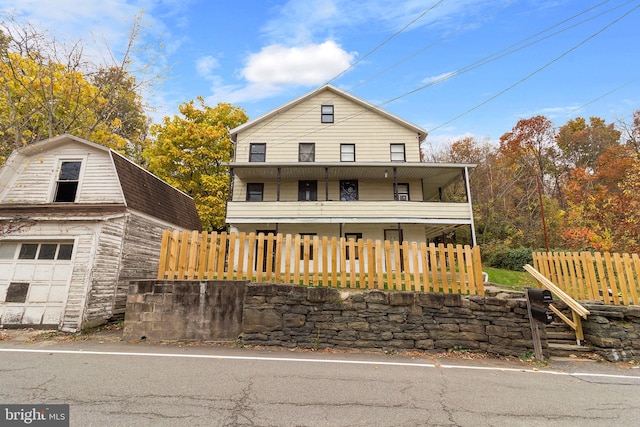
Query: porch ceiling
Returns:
{"type": "Point", "coordinates": [434, 175]}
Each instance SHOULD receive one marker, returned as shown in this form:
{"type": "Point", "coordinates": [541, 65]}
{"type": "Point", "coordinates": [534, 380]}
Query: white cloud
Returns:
{"type": "Point", "coordinates": [206, 65]}
{"type": "Point", "coordinates": [311, 64]}
{"type": "Point", "coordinates": [276, 68]}
{"type": "Point", "coordinates": [439, 78]}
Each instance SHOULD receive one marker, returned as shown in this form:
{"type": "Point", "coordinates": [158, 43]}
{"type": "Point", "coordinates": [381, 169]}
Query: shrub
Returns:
{"type": "Point", "coordinates": [509, 259]}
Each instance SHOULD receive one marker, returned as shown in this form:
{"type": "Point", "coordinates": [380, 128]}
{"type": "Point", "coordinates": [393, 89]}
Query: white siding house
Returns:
{"type": "Point", "coordinates": [77, 222]}
{"type": "Point", "coordinates": [331, 164]}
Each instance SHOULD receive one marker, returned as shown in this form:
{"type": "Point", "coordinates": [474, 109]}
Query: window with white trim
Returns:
{"type": "Point", "coordinates": [347, 152]}
{"type": "Point", "coordinates": [68, 180]}
{"type": "Point", "coordinates": [398, 153]}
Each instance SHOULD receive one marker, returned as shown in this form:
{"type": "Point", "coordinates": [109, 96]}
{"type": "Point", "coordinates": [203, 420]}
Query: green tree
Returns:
{"type": "Point", "coordinates": [189, 151]}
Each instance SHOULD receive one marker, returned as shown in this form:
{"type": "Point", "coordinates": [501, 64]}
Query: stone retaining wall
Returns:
{"type": "Point", "coordinates": [314, 318]}
{"type": "Point", "coordinates": [613, 331]}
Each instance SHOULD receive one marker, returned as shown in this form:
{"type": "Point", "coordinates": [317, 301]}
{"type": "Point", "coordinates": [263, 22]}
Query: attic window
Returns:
{"type": "Point", "coordinates": [67, 184]}
{"type": "Point", "coordinates": [326, 112]}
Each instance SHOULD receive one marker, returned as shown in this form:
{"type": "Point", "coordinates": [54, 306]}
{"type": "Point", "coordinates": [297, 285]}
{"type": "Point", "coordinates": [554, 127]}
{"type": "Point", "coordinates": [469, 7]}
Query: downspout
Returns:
{"type": "Point", "coordinates": [468, 188]}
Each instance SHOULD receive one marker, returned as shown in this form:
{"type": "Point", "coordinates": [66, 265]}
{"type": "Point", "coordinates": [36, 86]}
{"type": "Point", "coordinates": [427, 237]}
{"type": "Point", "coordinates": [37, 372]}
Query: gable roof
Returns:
{"type": "Point", "coordinates": [142, 190]}
{"type": "Point", "coordinates": [422, 134]}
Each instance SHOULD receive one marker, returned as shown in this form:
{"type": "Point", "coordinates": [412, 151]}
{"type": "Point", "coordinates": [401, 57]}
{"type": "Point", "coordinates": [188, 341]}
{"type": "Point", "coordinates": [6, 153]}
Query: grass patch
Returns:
{"type": "Point", "coordinates": [513, 279]}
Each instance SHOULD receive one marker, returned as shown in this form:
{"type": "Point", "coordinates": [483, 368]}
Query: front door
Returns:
{"type": "Point", "coordinates": [307, 191]}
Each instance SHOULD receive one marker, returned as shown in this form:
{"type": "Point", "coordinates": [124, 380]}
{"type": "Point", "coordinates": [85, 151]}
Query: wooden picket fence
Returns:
{"type": "Point", "coordinates": [320, 261]}
{"type": "Point", "coordinates": [611, 278]}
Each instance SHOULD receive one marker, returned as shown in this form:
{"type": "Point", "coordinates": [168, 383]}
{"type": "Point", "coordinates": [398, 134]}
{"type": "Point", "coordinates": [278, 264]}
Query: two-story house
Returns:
{"type": "Point", "coordinates": [78, 221]}
{"type": "Point", "coordinates": [330, 164]}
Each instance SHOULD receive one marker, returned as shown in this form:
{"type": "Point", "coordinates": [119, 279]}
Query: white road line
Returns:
{"type": "Point", "coordinates": [302, 360]}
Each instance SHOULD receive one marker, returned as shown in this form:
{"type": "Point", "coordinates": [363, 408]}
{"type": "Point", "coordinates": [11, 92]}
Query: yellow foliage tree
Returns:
{"type": "Point", "coordinates": [189, 151]}
{"type": "Point", "coordinates": [47, 89]}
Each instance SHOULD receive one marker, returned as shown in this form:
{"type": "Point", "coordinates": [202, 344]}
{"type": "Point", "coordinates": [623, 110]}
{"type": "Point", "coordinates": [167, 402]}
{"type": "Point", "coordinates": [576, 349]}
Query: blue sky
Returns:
{"type": "Point", "coordinates": [454, 67]}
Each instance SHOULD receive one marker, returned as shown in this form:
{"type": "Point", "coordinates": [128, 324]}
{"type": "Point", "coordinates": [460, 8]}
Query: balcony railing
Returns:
{"type": "Point", "coordinates": [360, 210]}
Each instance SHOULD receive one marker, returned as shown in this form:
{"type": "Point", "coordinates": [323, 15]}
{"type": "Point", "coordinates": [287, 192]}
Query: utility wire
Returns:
{"type": "Point", "coordinates": [603, 96]}
{"type": "Point", "coordinates": [394, 35]}
{"type": "Point", "coordinates": [528, 76]}
{"type": "Point", "coordinates": [371, 52]}
{"type": "Point", "coordinates": [416, 53]}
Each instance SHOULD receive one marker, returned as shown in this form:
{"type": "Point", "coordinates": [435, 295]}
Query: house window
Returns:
{"type": "Point", "coordinates": [349, 190]}
{"type": "Point", "coordinates": [257, 152]}
{"type": "Point", "coordinates": [67, 184]}
{"type": "Point", "coordinates": [307, 191]}
{"type": "Point", "coordinates": [347, 152]}
{"type": "Point", "coordinates": [306, 152]}
{"type": "Point", "coordinates": [255, 192]}
{"type": "Point", "coordinates": [326, 112]}
{"type": "Point", "coordinates": [17, 292]}
{"type": "Point", "coordinates": [402, 192]}
{"type": "Point", "coordinates": [310, 245]}
{"type": "Point", "coordinates": [397, 153]}
{"type": "Point", "coordinates": [355, 237]}
{"type": "Point", "coordinates": [46, 251]}
{"type": "Point", "coordinates": [8, 250]}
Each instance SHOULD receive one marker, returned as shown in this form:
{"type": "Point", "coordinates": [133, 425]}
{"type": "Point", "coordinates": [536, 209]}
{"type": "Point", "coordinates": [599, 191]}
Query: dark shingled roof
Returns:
{"type": "Point", "coordinates": [149, 194]}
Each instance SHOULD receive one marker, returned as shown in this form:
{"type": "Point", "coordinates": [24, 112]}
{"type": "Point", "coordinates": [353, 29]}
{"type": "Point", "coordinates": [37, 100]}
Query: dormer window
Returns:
{"type": "Point", "coordinates": [326, 112]}
{"type": "Point", "coordinates": [67, 183]}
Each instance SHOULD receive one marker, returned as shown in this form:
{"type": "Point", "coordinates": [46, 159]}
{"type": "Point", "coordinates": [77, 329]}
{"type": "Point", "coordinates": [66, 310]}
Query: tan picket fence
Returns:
{"type": "Point", "coordinates": [611, 278]}
{"type": "Point", "coordinates": [320, 261]}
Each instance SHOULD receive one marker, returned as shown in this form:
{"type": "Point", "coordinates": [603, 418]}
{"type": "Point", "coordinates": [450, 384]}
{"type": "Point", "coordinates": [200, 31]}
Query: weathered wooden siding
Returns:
{"type": "Point", "coordinates": [105, 271]}
{"type": "Point", "coordinates": [371, 133]}
{"type": "Point", "coordinates": [35, 181]}
{"type": "Point", "coordinates": [140, 254]}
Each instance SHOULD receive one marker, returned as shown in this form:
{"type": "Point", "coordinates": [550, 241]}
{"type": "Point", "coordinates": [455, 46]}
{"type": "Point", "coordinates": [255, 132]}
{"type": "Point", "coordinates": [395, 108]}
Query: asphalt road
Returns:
{"type": "Point", "coordinates": [119, 384]}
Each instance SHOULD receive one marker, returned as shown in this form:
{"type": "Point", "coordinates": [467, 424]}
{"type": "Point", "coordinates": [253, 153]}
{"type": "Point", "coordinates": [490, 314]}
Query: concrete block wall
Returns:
{"type": "Point", "coordinates": [184, 310]}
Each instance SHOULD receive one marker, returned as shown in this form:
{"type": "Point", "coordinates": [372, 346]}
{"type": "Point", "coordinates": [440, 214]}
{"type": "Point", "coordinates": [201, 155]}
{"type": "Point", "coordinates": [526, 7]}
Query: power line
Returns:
{"type": "Point", "coordinates": [537, 70]}
{"type": "Point", "coordinates": [394, 35]}
{"type": "Point", "coordinates": [371, 52]}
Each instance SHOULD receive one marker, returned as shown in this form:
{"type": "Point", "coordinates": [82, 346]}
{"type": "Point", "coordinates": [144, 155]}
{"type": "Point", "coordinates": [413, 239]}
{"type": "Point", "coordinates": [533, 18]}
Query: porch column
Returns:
{"type": "Point", "coordinates": [468, 190]}
{"type": "Point", "coordinates": [326, 184]}
{"type": "Point", "coordinates": [278, 186]}
{"type": "Point", "coordinates": [395, 187]}
{"type": "Point", "coordinates": [230, 194]}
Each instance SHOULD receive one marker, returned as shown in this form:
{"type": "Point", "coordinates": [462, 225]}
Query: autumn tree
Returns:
{"type": "Point", "coordinates": [527, 154]}
{"type": "Point", "coordinates": [189, 151]}
{"type": "Point", "coordinates": [581, 144]}
{"type": "Point", "coordinates": [47, 89]}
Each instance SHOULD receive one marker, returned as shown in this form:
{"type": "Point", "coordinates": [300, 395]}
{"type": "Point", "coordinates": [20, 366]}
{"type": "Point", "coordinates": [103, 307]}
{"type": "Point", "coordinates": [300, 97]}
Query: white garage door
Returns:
{"type": "Point", "coordinates": [34, 281]}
